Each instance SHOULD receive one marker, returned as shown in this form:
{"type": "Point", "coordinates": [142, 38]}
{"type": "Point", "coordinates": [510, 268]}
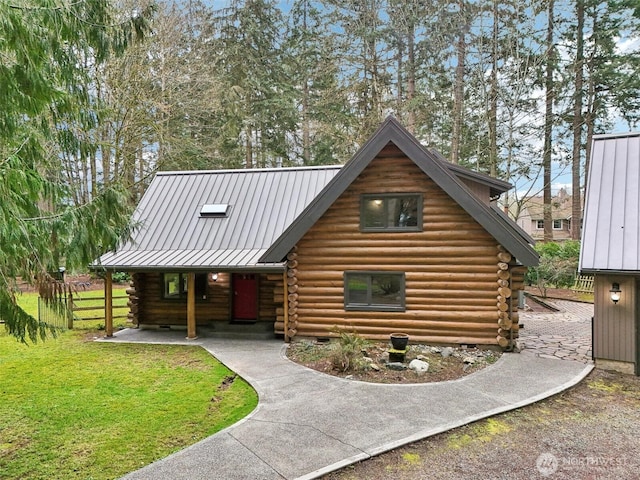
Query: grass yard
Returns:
{"type": "Point", "coordinates": [77, 409]}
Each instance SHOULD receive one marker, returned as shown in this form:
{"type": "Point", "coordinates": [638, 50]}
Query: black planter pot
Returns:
{"type": "Point", "coordinates": [399, 341]}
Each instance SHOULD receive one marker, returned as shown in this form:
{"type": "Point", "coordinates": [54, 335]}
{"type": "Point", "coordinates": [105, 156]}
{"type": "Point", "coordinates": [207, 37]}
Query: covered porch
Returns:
{"type": "Point", "coordinates": [195, 299]}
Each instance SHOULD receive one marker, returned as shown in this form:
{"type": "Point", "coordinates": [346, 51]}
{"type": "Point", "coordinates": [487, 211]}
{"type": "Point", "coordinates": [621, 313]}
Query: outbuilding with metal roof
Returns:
{"type": "Point", "coordinates": [610, 249]}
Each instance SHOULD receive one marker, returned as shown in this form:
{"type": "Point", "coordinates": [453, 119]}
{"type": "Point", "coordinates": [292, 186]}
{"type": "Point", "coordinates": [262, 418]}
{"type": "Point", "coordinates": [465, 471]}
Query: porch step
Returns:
{"type": "Point", "coordinates": [240, 330]}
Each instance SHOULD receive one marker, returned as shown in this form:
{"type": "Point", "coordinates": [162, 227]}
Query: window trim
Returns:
{"type": "Point", "coordinates": [371, 307]}
{"type": "Point", "coordinates": [538, 227]}
{"type": "Point", "coordinates": [182, 282]}
{"type": "Point", "coordinates": [553, 224]}
{"type": "Point", "coordinates": [384, 196]}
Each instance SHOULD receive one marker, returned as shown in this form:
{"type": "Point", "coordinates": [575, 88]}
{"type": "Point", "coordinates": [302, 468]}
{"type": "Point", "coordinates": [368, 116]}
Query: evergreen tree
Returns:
{"type": "Point", "coordinates": [45, 95]}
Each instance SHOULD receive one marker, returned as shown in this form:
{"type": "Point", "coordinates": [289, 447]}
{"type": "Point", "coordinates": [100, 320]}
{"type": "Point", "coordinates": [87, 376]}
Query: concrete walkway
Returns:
{"type": "Point", "coordinates": [308, 423]}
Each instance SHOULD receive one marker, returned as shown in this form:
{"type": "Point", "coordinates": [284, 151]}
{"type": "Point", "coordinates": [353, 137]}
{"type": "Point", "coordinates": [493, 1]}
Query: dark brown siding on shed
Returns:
{"type": "Point", "coordinates": [450, 266]}
{"type": "Point", "coordinates": [614, 335]}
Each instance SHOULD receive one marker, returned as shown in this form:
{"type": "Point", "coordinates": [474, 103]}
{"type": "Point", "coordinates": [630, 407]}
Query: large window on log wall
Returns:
{"type": "Point", "coordinates": [374, 291]}
{"type": "Point", "coordinates": [391, 212]}
{"type": "Point", "coordinates": [175, 286]}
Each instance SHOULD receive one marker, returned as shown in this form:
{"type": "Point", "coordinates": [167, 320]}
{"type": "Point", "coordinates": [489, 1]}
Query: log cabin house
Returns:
{"type": "Point", "coordinates": [397, 239]}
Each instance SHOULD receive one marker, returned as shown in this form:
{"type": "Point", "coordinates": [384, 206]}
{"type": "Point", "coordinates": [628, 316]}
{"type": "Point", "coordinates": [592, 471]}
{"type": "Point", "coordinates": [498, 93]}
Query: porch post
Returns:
{"type": "Point", "coordinates": [108, 305]}
{"type": "Point", "coordinates": [191, 306]}
{"type": "Point", "coordinates": [286, 307]}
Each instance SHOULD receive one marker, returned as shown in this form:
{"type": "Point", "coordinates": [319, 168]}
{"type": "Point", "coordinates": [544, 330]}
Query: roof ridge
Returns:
{"type": "Point", "coordinates": [247, 170]}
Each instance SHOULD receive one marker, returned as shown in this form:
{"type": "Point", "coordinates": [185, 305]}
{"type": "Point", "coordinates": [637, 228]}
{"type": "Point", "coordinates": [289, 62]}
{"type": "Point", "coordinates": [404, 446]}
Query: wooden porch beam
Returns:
{"type": "Point", "coordinates": [108, 305]}
{"type": "Point", "coordinates": [191, 306]}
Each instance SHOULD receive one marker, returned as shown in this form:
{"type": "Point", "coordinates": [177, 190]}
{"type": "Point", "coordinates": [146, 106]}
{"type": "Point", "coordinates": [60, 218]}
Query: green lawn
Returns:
{"type": "Point", "coordinates": [77, 409]}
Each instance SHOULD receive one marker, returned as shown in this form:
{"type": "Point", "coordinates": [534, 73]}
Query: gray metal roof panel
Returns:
{"type": "Point", "coordinates": [611, 225]}
{"type": "Point", "coordinates": [262, 203]}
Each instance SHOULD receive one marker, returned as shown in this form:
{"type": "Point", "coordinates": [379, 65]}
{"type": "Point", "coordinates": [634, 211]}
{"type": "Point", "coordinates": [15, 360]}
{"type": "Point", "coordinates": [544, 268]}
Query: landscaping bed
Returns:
{"type": "Point", "coordinates": [372, 364]}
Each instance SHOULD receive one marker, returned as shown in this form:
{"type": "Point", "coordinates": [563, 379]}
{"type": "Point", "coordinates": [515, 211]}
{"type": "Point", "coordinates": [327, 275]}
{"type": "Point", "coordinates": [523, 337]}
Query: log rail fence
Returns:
{"type": "Point", "coordinates": [72, 308]}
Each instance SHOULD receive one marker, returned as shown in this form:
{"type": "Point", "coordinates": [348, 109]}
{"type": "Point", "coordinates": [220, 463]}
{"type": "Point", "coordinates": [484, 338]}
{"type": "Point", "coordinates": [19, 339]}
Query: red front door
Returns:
{"type": "Point", "coordinates": [245, 296]}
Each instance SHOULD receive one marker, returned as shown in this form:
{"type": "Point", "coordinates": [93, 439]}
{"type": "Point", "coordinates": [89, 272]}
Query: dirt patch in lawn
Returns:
{"type": "Point", "coordinates": [589, 432]}
{"type": "Point", "coordinates": [373, 363]}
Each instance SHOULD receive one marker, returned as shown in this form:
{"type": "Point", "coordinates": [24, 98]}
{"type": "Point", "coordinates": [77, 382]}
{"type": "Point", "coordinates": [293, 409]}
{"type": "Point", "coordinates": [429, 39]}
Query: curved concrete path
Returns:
{"type": "Point", "coordinates": [308, 423]}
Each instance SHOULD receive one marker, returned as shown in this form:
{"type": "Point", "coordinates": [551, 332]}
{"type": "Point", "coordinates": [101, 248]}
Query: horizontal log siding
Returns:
{"type": "Point", "coordinates": [450, 267]}
{"type": "Point", "coordinates": [266, 304]}
{"type": "Point", "coordinates": [155, 310]}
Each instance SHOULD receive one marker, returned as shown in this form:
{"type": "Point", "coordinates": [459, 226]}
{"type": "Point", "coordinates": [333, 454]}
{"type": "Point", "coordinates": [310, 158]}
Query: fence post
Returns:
{"type": "Point", "coordinates": [108, 304]}
{"type": "Point", "coordinates": [70, 310]}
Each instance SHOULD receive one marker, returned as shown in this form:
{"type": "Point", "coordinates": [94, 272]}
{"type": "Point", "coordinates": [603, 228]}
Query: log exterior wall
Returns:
{"type": "Point", "coordinates": [451, 266]}
{"type": "Point", "coordinates": [152, 309]}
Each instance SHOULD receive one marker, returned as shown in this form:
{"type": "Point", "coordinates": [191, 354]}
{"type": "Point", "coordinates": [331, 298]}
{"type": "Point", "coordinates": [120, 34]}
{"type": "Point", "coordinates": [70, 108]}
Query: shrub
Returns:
{"type": "Point", "coordinates": [347, 352]}
{"type": "Point", "coordinates": [558, 265]}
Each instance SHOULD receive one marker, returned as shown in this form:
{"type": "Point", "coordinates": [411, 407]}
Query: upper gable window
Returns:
{"type": "Point", "coordinates": [391, 212]}
{"type": "Point", "coordinates": [214, 210]}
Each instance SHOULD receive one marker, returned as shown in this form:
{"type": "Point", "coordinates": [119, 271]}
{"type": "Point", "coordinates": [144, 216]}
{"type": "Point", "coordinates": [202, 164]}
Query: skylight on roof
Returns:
{"type": "Point", "coordinates": [214, 210]}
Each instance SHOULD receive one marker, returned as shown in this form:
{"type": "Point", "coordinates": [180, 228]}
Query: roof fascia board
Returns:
{"type": "Point", "coordinates": [605, 136]}
{"type": "Point", "coordinates": [511, 224]}
{"type": "Point", "coordinates": [392, 131]}
{"type": "Point", "coordinates": [602, 271]}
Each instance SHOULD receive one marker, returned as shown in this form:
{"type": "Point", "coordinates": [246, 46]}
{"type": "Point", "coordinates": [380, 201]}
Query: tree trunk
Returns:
{"type": "Point", "coordinates": [411, 77]}
{"type": "Point", "coordinates": [458, 90]}
{"type": "Point", "coordinates": [493, 97]}
{"type": "Point", "coordinates": [306, 137]}
{"type": "Point", "coordinates": [548, 126]}
{"type": "Point", "coordinates": [576, 206]}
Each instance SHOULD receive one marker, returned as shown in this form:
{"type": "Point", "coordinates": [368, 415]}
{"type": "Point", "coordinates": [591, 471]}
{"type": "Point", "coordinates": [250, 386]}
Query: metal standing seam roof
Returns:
{"type": "Point", "coordinates": [611, 225]}
{"type": "Point", "coordinates": [270, 209]}
{"type": "Point", "coordinates": [173, 234]}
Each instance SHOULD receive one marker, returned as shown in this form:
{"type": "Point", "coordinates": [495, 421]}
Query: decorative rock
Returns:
{"type": "Point", "coordinates": [374, 366]}
{"type": "Point", "coordinates": [422, 357]}
{"type": "Point", "coordinates": [419, 366]}
{"type": "Point", "coordinates": [446, 352]}
{"type": "Point", "coordinates": [396, 366]}
{"type": "Point", "coordinates": [469, 360]}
